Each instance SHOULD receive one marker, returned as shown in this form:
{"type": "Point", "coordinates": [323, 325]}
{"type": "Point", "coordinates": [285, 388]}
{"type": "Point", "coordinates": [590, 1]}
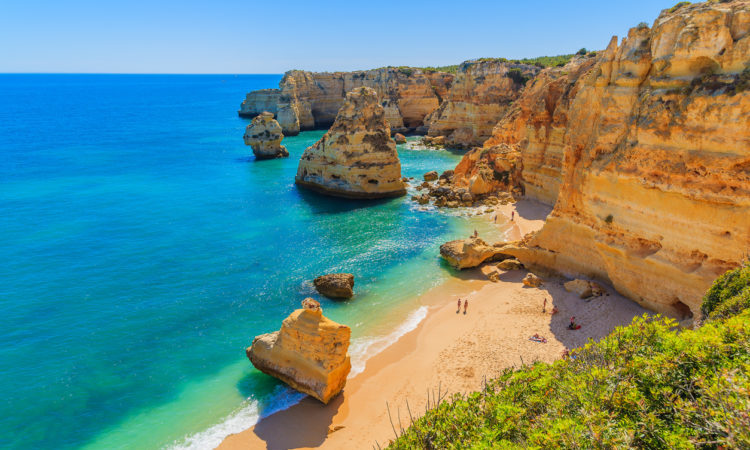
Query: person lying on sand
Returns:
{"type": "Point", "coordinates": [537, 338]}
{"type": "Point", "coordinates": [573, 325]}
{"type": "Point", "coordinates": [554, 310]}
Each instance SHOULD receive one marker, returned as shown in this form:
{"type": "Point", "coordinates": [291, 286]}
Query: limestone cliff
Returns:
{"type": "Point", "coordinates": [309, 353]}
{"type": "Point", "coordinates": [356, 158]}
{"type": "Point", "coordinates": [308, 100]}
{"type": "Point", "coordinates": [479, 96]}
{"type": "Point", "coordinates": [647, 155]}
{"type": "Point", "coordinates": [264, 135]}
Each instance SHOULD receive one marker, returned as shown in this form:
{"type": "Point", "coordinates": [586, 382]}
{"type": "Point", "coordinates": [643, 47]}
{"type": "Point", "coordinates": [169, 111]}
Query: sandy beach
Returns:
{"type": "Point", "coordinates": [449, 350]}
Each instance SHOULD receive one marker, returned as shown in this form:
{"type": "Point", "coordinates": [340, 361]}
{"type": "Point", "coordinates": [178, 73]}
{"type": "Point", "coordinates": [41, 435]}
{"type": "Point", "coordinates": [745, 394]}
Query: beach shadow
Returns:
{"type": "Point", "coordinates": [465, 274]}
{"type": "Point", "coordinates": [591, 315]}
{"type": "Point", "coordinates": [305, 424]}
{"type": "Point", "coordinates": [532, 210]}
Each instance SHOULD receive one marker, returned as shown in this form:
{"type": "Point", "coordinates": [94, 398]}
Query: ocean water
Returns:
{"type": "Point", "coordinates": [142, 248]}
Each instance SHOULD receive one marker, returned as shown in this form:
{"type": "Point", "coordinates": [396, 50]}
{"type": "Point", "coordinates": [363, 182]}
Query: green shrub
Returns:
{"type": "Point", "coordinates": [582, 51]}
{"type": "Point", "coordinates": [517, 76]}
{"type": "Point", "coordinates": [726, 291]}
{"type": "Point", "coordinates": [646, 385]}
{"type": "Point", "coordinates": [609, 219]}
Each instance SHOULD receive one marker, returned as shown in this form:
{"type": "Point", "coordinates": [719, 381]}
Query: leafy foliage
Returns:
{"type": "Point", "coordinates": [678, 6]}
{"type": "Point", "coordinates": [647, 385]}
{"type": "Point", "coordinates": [728, 294]}
{"type": "Point", "coordinates": [517, 76]}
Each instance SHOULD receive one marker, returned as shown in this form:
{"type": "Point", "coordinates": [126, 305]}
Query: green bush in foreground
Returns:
{"type": "Point", "coordinates": [646, 385]}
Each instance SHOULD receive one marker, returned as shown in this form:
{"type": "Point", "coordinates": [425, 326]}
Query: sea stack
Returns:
{"type": "Point", "coordinates": [264, 135]}
{"type": "Point", "coordinates": [309, 353]}
{"type": "Point", "coordinates": [356, 158]}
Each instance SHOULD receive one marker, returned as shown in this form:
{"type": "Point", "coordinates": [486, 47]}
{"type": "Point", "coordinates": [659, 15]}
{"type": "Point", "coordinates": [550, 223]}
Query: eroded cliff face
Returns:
{"type": "Point", "coordinates": [480, 95]}
{"type": "Point", "coordinates": [356, 158]}
{"type": "Point", "coordinates": [308, 100]}
{"type": "Point", "coordinates": [652, 148]}
{"type": "Point", "coordinates": [309, 352]}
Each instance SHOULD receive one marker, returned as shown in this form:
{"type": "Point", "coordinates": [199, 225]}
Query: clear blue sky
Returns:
{"type": "Point", "coordinates": [272, 36]}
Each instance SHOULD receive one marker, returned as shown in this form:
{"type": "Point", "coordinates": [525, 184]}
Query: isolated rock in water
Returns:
{"type": "Point", "coordinates": [466, 253]}
{"type": "Point", "coordinates": [510, 264]}
{"type": "Point", "coordinates": [430, 176]}
{"type": "Point", "coordinates": [399, 138]}
{"type": "Point", "coordinates": [356, 158]}
{"type": "Point", "coordinates": [335, 285]}
{"type": "Point", "coordinates": [309, 353]}
{"type": "Point", "coordinates": [532, 280]}
{"type": "Point", "coordinates": [264, 135]}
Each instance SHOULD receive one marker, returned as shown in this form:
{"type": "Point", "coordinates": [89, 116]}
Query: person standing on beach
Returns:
{"type": "Point", "coordinates": [459, 305]}
{"type": "Point", "coordinates": [512, 215]}
{"type": "Point", "coordinates": [466, 305]}
{"type": "Point", "coordinates": [544, 307]}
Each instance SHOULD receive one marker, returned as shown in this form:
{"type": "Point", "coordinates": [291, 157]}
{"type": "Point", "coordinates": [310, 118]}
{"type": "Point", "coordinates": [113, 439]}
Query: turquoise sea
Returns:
{"type": "Point", "coordinates": [142, 248]}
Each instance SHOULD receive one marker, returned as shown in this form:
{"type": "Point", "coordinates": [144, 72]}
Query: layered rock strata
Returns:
{"type": "Point", "coordinates": [653, 148]}
{"type": "Point", "coordinates": [308, 100]}
{"type": "Point", "coordinates": [480, 95]}
{"type": "Point", "coordinates": [264, 136]}
{"type": "Point", "coordinates": [356, 158]}
{"type": "Point", "coordinates": [309, 353]}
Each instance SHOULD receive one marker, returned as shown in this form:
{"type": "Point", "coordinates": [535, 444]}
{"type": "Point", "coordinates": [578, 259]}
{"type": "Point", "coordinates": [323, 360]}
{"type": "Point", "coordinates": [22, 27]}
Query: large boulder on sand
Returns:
{"type": "Point", "coordinates": [466, 253]}
{"type": "Point", "coordinates": [264, 136]}
{"type": "Point", "coordinates": [335, 285]}
{"type": "Point", "coordinates": [532, 280]}
{"type": "Point", "coordinates": [356, 158]}
{"type": "Point", "coordinates": [309, 353]}
{"type": "Point", "coordinates": [510, 264]}
{"type": "Point", "coordinates": [584, 288]}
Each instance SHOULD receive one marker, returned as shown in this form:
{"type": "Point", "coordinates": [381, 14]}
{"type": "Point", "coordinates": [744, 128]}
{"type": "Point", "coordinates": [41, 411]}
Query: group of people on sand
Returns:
{"type": "Point", "coordinates": [512, 216]}
{"type": "Point", "coordinates": [466, 305]}
{"type": "Point", "coordinates": [544, 308]}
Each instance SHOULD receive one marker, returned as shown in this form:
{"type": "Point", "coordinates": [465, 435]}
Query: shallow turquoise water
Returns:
{"type": "Point", "coordinates": [143, 248]}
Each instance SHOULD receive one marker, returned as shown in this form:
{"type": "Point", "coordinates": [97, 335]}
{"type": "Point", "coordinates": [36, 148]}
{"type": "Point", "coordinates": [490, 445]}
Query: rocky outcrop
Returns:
{"type": "Point", "coordinates": [309, 353]}
{"type": "Point", "coordinates": [356, 158]}
{"type": "Point", "coordinates": [467, 253]}
{"type": "Point", "coordinates": [510, 264]}
{"type": "Point", "coordinates": [532, 280]}
{"type": "Point", "coordinates": [584, 288]}
{"type": "Point", "coordinates": [399, 138]}
{"type": "Point", "coordinates": [264, 135]}
{"type": "Point", "coordinates": [309, 100]}
{"type": "Point", "coordinates": [487, 170]}
{"type": "Point", "coordinates": [335, 285]}
{"type": "Point", "coordinates": [480, 95]}
{"type": "Point", "coordinates": [652, 147]}
{"type": "Point", "coordinates": [430, 176]}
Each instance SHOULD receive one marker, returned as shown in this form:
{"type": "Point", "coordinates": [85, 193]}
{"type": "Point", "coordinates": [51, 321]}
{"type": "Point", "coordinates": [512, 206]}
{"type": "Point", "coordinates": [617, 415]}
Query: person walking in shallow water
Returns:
{"type": "Point", "coordinates": [466, 305]}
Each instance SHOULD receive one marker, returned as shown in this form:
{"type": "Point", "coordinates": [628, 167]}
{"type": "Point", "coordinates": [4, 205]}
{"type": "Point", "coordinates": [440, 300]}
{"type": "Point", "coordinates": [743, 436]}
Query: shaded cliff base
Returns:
{"type": "Point", "coordinates": [448, 349]}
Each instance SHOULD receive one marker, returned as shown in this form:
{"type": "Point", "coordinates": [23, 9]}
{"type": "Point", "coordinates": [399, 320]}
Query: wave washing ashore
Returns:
{"type": "Point", "coordinates": [136, 240]}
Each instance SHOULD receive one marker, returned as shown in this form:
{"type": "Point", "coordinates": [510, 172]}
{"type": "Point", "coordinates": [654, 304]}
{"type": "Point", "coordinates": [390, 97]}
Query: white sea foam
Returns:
{"type": "Point", "coordinates": [283, 397]}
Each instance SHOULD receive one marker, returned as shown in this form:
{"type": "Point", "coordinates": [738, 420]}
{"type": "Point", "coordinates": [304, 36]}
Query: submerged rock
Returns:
{"type": "Point", "coordinates": [309, 353]}
{"type": "Point", "coordinates": [264, 135]}
{"type": "Point", "coordinates": [356, 158]}
{"type": "Point", "coordinates": [466, 253]}
{"type": "Point", "coordinates": [335, 285]}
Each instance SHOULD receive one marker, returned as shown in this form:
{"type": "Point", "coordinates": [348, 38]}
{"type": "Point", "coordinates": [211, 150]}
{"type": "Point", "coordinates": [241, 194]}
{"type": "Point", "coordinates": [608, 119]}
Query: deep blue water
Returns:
{"type": "Point", "coordinates": [142, 248]}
